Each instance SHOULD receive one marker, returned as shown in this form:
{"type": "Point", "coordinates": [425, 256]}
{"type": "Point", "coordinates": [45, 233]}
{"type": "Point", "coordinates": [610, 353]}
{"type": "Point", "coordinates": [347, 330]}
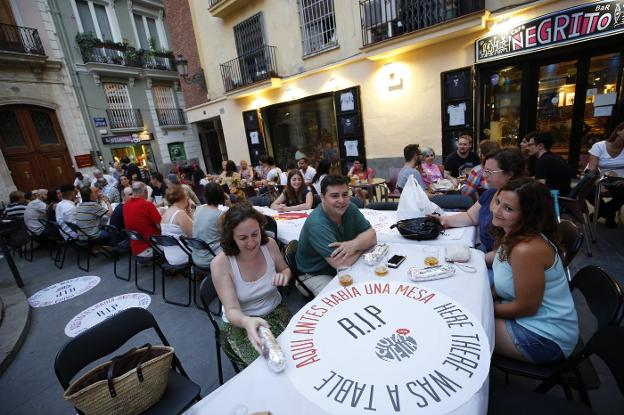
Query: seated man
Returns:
{"type": "Point", "coordinates": [36, 210]}
{"type": "Point", "coordinates": [141, 216]}
{"type": "Point", "coordinates": [65, 211]}
{"type": "Point", "coordinates": [90, 212]}
{"type": "Point", "coordinates": [463, 160]}
{"type": "Point", "coordinates": [17, 205]}
{"type": "Point", "coordinates": [411, 152]}
{"type": "Point", "coordinates": [308, 172]}
{"type": "Point", "coordinates": [334, 235]}
{"type": "Point", "coordinates": [111, 192]}
{"type": "Point", "coordinates": [550, 168]}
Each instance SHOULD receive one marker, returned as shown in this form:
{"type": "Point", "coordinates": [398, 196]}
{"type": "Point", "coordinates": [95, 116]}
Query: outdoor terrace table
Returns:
{"type": "Point", "coordinates": [259, 389]}
{"type": "Point", "coordinates": [288, 229]}
{"type": "Point", "coordinates": [371, 186]}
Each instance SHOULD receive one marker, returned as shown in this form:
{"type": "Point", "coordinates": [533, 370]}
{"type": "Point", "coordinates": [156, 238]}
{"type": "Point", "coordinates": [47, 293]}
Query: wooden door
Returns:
{"type": "Point", "coordinates": [57, 169]}
{"type": "Point", "coordinates": [25, 175]}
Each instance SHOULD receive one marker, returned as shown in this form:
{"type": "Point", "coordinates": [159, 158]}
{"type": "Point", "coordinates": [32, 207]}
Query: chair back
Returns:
{"type": "Point", "coordinates": [102, 340]}
{"type": "Point", "coordinates": [603, 295]}
{"type": "Point", "coordinates": [134, 236]}
{"type": "Point", "coordinates": [157, 242]}
{"type": "Point", "coordinates": [383, 205]}
{"type": "Point", "coordinates": [51, 227]}
{"type": "Point", "coordinates": [584, 186]}
{"type": "Point", "coordinates": [394, 176]}
{"type": "Point", "coordinates": [271, 227]}
{"type": "Point", "coordinates": [196, 244]}
{"type": "Point", "coordinates": [77, 229]}
{"type": "Point", "coordinates": [608, 343]}
{"type": "Point", "coordinates": [571, 240]}
{"type": "Point", "coordinates": [453, 202]}
{"type": "Point", "coordinates": [357, 202]}
{"type": "Point", "coordinates": [316, 200]}
{"type": "Point", "coordinates": [290, 255]}
{"type": "Point", "coordinates": [207, 294]}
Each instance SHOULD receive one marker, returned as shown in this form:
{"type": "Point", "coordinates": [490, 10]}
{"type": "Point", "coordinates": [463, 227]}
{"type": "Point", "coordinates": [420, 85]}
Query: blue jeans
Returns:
{"type": "Point", "coordinates": [535, 348]}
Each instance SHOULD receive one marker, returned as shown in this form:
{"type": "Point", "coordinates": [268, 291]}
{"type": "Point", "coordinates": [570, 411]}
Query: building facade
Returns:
{"type": "Point", "coordinates": [364, 78]}
{"type": "Point", "coordinates": [42, 132]}
{"type": "Point", "coordinates": [121, 52]}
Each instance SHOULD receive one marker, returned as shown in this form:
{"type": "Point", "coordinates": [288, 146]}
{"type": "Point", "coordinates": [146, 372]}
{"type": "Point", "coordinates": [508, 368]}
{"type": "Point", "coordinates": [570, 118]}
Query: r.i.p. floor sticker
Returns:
{"type": "Point", "coordinates": [63, 291]}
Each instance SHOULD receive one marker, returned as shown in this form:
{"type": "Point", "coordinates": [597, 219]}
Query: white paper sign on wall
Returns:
{"type": "Point", "coordinates": [386, 348]}
{"type": "Point", "coordinates": [103, 310]}
{"type": "Point", "coordinates": [63, 290]}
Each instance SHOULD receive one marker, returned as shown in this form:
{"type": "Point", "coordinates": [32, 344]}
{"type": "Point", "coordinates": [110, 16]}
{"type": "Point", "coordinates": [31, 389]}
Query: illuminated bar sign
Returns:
{"type": "Point", "coordinates": [555, 29]}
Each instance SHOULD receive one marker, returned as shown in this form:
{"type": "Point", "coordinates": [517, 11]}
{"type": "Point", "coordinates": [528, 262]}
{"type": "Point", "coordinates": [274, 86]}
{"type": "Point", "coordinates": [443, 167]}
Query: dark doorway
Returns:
{"type": "Point", "coordinates": [212, 143]}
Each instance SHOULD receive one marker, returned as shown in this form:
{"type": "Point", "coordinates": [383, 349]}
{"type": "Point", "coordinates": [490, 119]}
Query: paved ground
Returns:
{"type": "Point", "coordinates": [29, 386]}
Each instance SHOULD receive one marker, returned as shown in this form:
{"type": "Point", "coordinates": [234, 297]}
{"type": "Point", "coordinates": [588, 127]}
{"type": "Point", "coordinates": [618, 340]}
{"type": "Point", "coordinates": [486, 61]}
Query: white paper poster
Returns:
{"type": "Point", "coordinates": [347, 102]}
{"type": "Point", "coordinates": [351, 147]}
{"type": "Point", "coordinates": [254, 138]}
{"type": "Point", "coordinates": [604, 99]}
{"type": "Point", "coordinates": [63, 290]}
{"type": "Point", "coordinates": [103, 310]}
{"type": "Point", "coordinates": [386, 348]}
{"type": "Point", "coordinates": [603, 111]}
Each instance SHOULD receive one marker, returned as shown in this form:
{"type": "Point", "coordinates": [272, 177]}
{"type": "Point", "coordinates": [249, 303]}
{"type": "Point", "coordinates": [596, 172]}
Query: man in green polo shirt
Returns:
{"type": "Point", "coordinates": [334, 235]}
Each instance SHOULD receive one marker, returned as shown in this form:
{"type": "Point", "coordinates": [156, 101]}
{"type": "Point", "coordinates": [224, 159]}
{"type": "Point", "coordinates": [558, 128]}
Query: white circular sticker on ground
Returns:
{"type": "Point", "coordinates": [387, 348]}
{"type": "Point", "coordinates": [105, 309]}
{"type": "Point", "coordinates": [63, 290]}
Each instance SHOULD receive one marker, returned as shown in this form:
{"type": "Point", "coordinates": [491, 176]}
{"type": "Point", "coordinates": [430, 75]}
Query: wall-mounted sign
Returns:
{"type": "Point", "coordinates": [176, 151]}
{"type": "Point", "coordinates": [63, 291]}
{"type": "Point", "coordinates": [129, 138]}
{"type": "Point", "coordinates": [571, 25]}
{"type": "Point", "coordinates": [99, 121]}
{"type": "Point", "coordinates": [84, 160]}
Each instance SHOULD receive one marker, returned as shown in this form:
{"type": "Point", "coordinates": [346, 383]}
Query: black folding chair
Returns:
{"type": "Point", "coordinates": [107, 337]}
{"type": "Point", "coordinates": [192, 244]}
{"type": "Point", "coordinates": [571, 241]}
{"type": "Point", "coordinates": [158, 242]}
{"type": "Point", "coordinates": [84, 243]}
{"type": "Point", "coordinates": [605, 300]}
{"type": "Point", "coordinates": [290, 255]}
{"type": "Point", "coordinates": [119, 247]}
{"type": "Point", "coordinates": [57, 247]}
{"type": "Point", "coordinates": [143, 260]}
{"type": "Point", "coordinates": [271, 230]}
{"type": "Point", "coordinates": [208, 295]}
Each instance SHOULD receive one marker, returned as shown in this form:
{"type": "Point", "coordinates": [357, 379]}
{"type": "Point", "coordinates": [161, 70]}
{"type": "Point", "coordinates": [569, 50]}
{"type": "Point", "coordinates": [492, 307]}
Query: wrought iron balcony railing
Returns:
{"type": "Point", "coordinates": [385, 19]}
{"type": "Point", "coordinates": [20, 39]}
{"type": "Point", "coordinates": [170, 116]}
{"type": "Point", "coordinates": [124, 118]}
{"type": "Point", "coordinates": [252, 67]}
{"type": "Point", "coordinates": [213, 2]}
{"type": "Point", "coordinates": [117, 54]}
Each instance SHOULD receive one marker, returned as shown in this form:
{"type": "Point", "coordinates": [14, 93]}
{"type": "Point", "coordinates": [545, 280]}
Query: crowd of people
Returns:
{"type": "Point", "coordinates": [513, 211]}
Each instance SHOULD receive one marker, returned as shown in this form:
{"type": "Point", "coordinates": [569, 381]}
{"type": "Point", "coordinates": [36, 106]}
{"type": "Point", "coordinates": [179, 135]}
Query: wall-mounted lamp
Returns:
{"type": "Point", "coordinates": [197, 78]}
{"type": "Point", "coordinates": [395, 81]}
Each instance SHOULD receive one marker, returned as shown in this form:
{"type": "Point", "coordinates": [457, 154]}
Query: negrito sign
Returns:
{"type": "Point", "coordinates": [563, 27]}
{"type": "Point", "coordinates": [388, 348]}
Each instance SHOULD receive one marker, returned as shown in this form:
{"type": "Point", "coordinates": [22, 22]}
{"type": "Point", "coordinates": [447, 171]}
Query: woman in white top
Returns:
{"type": "Point", "coordinates": [322, 170]}
{"type": "Point", "coordinates": [246, 276]}
{"type": "Point", "coordinates": [177, 220]}
{"type": "Point", "coordinates": [608, 156]}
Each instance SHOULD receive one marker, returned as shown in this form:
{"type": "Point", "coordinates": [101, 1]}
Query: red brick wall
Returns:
{"type": "Point", "coordinates": [180, 25]}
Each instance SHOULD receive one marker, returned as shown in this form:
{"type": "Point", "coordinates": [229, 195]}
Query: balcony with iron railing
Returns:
{"type": "Point", "coordinates": [386, 19]}
{"type": "Point", "coordinates": [221, 8]}
{"type": "Point", "coordinates": [124, 55]}
{"type": "Point", "coordinates": [170, 117]}
{"type": "Point", "coordinates": [250, 68]}
{"type": "Point", "coordinates": [20, 40]}
{"type": "Point", "coordinates": [125, 119]}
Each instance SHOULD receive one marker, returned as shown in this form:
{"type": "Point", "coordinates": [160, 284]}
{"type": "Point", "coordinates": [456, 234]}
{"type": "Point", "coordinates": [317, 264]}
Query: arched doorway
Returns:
{"type": "Point", "coordinates": [34, 148]}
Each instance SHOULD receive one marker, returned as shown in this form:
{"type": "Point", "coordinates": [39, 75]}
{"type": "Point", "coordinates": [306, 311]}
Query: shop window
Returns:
{"type": "Point", "coordinates": [501, 105]}
{"type": "Point", "coordinates": [45, 128]}
{"type": "Point", "coordinates": [11, 133]}
{"type": "Point", "coordinates": [318, 25]}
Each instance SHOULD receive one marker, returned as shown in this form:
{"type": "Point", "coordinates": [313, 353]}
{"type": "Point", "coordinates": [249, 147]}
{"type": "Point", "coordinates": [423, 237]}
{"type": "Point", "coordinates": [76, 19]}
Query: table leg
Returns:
{"type": "Point", "coordinates": [594, 225]}
{"type": "Point", "coordinates": [9, 258]}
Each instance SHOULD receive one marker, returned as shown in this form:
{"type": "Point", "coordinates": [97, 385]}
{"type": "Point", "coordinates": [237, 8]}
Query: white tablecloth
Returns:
{"type": "Point", "coordinates": [259, 389]}
{"type": "Point", "coordinates": [381, 220]}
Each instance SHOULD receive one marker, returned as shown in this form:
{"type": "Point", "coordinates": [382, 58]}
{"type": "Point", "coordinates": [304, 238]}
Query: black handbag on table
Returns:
{"type": "Point", "coordinates": [419, 229]}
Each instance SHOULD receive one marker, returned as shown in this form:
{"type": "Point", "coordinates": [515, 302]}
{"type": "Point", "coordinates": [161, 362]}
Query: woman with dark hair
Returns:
{"type": "Point", "coordinates": [608, 157]}
{"type": "Point", "coordinates": [499, 168]}
{"type": "Point", "coordinates": [54, 197]}
{"type": "Point", "coordinates": [206, 224]}
{"type": "Point", "coordinates": [322, 170]}
{"type": "Point", "coordinates": [535, 316]}
{"type": "Point", "coordinates": [198, 188]}
{"type": "Point", "coordinates": [124, 182]}
{"type": "Point", "coordinates": [296, 195]}
{"type": "Point", "coordinates": [246, 275]}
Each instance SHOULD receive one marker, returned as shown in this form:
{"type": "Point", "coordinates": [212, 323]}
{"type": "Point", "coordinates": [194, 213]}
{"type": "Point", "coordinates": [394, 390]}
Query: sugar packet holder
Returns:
{"type": "Point", "coordinates": [431, 273]}
{"type": "Point", "coordinates": [376, 255]}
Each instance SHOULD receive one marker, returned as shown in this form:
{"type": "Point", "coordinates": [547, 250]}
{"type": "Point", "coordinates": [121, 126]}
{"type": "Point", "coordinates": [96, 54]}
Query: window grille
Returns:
{"type": "Point", "coordinates": [166, 108]}
{"type": "Point", "coordinates": [318, 25]}
{"type": "Point", "coordinates": [249, 35]}
{"type": "Point", "coordinates": [120, 113]}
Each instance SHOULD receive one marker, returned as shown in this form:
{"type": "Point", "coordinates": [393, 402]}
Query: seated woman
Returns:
{"type": "Point", "coordinates": [360, 169]}
{"type": "Point", "coordinates": [431, 172]}
{"type": "Point", "coordinates": [177, 220]}
{"type": "Point", "coordinates": [535, 316]}
{"type": "Point", "coordinates": [246, 171]}
{"type": "Point", "coordinates": [229, 175]}
{"type": "Point", "coordinates": [246, 276]}
{"type": "Point", "coordinates": [608, 156]}
{"type": "Point", "coordinates": [207, 222]}
{"type": "Point", "coordinates": [296, 195]}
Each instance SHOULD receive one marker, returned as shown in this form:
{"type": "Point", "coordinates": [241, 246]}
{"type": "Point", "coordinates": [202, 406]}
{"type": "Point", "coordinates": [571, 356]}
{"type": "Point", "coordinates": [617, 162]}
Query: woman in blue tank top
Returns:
{"type": "Point", "coordinates": [535, 316]}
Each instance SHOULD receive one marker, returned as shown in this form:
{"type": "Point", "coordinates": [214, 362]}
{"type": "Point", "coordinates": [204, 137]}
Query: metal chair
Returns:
{"type": "Point", "coordinates": [208, 295]}
{"type": "Point", "coordinates": [158, 242]}
{"type": "Point", "coordinates": [192, 244]}
{"type": "Point", "coordinates": [290, 255]}
{"type": "Point", "coordinates": [571, 240]}
{"type": "Point", "coordinates": [57, 244]}
{"type": "Point", "coordinates": [605, 300]}
{"type": "Point", "coordinates": [135, 236]}
{"type": "Point", "coordinates": [119, 248]}
{"type": "Point", "coordinates": [84, 243]}
{"type": "Point", "coordinates": [106, 338]}
{"type": "Point", "coordinates": [393, 192]}
{"type": "Point", "coordinates": [575, 206]}
{"type": "Point", "coordinates": [458, 203]}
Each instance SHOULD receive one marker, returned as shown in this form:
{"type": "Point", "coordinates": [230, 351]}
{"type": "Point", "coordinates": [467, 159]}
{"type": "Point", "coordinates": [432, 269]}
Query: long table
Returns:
{"type": "Point", "coordinates": [289, 229]}
{"type": "Point", "coordinates": [258, 389]}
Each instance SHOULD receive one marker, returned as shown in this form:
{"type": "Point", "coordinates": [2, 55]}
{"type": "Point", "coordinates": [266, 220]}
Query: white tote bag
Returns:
{"type": "Point", "coordinates": [414, 202]}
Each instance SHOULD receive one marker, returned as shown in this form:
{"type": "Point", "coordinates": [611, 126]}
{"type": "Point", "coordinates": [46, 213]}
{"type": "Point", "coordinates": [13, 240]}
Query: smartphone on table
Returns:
{"type": "Point", "coordinates": [395, 261]}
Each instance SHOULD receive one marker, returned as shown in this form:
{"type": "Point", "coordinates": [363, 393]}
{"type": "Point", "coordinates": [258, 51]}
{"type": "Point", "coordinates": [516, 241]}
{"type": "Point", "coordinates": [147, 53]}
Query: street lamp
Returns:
{"type": "Point", "coordinates": [197, 78]}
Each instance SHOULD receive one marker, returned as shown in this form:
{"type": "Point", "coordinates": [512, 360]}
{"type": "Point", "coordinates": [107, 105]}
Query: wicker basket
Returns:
{"type": "Point", "coordinates": [135, 382]}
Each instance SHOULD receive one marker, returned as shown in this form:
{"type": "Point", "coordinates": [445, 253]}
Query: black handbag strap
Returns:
{"type": "Point", "coordinates": [140, 359]}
